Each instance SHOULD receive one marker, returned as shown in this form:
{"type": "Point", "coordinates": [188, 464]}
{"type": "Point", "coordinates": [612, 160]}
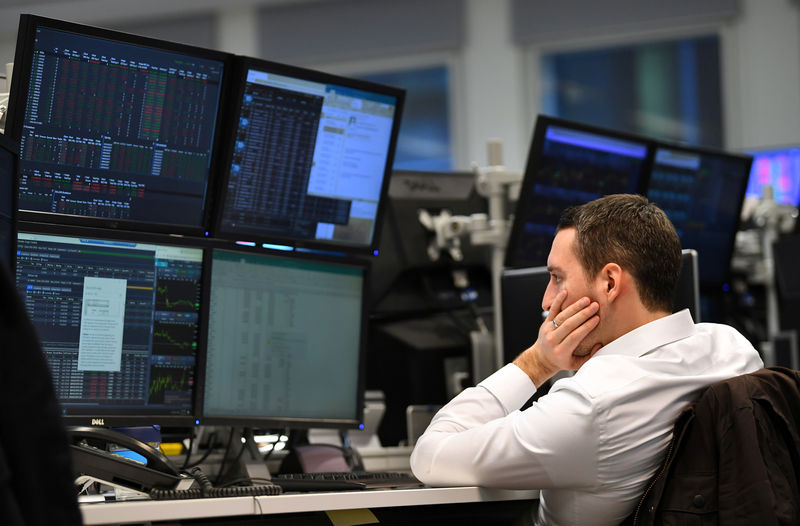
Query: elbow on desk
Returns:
{"type": "Point", "coordinates": [427, 470]}
{"type": "Point", "coordinates": [421, 462]}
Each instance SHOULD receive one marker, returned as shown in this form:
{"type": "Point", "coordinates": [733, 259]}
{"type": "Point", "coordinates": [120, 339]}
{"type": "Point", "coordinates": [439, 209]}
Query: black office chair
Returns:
{"type": "Point", "coordinates": [36, 480]}
{"type": "Point", "coordinates": [734, 458]}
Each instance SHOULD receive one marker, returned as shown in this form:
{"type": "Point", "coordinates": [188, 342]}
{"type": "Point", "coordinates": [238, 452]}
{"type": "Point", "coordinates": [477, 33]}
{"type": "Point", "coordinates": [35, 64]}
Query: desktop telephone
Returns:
{"type": "Point", "coordinates": [159, 478]}
{"type": "Point", "coordinates": [91, 456]}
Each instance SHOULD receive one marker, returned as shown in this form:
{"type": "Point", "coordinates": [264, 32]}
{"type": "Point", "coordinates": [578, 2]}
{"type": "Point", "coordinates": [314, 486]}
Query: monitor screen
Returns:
{"type": "Point", "coordinates": [569, 164]}
{"type": "Point", "coordinates": [285, 341]}
{"type": "Point", "coordinates": [308, 158]}
{"type": "Point", "coordinates": [115, 130]}
{"type": "Point", "coordinates": [119, 324]}
{"type": "Point", "coordinates": [8, 199]}
{"type": "Point", "coordinates": [778, 168]}
{"type": "Point", "coordinates": [701, 192]}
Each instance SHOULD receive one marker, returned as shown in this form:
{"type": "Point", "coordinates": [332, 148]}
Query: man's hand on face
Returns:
{"type": "Point", "coordinates": [560, 344]}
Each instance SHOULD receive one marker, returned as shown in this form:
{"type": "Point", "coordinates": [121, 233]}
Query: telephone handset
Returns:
{"type": "Point", "coordinates": [91, 457]}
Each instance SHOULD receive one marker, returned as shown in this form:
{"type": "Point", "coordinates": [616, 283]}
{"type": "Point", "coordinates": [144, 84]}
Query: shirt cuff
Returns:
{"type": "Point", "coordinates": [511, 386]}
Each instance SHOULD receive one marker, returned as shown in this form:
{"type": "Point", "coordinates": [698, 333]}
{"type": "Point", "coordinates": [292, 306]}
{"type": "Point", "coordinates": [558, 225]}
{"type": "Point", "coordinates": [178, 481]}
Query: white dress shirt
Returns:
{"type": "Point", "coordinates": [594, 441]}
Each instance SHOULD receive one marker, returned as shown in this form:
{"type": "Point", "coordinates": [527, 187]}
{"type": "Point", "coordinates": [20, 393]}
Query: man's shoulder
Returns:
{"type": "Point", "coordinates": [712, 349]}
{"type": "Point", "coordinates": [602, 375]}
{"type": "Point", "coordinates": [718, 328]}
{"type": "Point", "coordinates": [724, 337]}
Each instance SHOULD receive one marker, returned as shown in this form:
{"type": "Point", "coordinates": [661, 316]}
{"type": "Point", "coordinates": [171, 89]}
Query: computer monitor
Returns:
{"type": "Point", "coordinates": [285, 341]}
{"type": "Point", "coordinates": [115, 130]}
{"type": "Point", "coordinates": [522, 291]}
{"type": "Point", "coordinates": [119, 324]}
{"type": "Point", "coordinates": [778, 168]}
{"type": "Point", "coordinates": [307, 158]}
{"type": "Point", "coordinates": [404, 278]}
{"type": "Point", "coordinates": [701, 191]}
{"type": "Point", "coordinates": [569, 164]}
{"type": "Point", "coordinates": [9, 153]}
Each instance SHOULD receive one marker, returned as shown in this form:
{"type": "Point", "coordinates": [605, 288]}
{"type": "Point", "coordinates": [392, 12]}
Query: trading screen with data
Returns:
{"type": "Point", "coordinates": [308, 158]}
{"type": "Point", "coordinates": [115, 130]}
{"type": "Point", "coordinates": [569, 164]}
{"type": "Point", "coordinates": [118, 322]}
{"type": "Point", "coordinates": [701, 192]}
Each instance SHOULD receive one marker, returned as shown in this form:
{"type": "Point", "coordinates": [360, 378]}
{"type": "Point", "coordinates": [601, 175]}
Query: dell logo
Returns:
{"type": "Point", "coordinates": [98, 422]}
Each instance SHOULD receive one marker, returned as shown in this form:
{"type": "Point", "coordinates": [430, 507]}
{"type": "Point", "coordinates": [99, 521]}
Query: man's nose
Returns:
{"type": "Point", "coordinates": [547, 299]}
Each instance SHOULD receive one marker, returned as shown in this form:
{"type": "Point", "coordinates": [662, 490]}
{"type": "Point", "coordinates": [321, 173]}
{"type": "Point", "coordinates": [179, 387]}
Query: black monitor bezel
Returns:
{"type": "Point", "coordinates": [110, 418]}
{"type": "Point", "coordinates": [239, 80]}
{"type": "Point", "coordinates": [269, 421]}
{"type": "Point", "coordinates": [543, 122]}
{"type": "Point", "coordinates": [715, 285]}
{"type": "Point", "coordinates": [20, 86]}
{"type": "Point", "coordinates": [12, 147]}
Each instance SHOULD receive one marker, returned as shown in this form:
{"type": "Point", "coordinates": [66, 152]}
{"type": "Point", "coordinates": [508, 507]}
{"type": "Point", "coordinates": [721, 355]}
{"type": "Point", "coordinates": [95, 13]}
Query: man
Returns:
{"type": "Point", "coordinates": [594, 441]}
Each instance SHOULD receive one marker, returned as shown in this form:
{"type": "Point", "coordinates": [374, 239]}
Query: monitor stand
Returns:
{"type": "Point", "coordinates": [243, 462]}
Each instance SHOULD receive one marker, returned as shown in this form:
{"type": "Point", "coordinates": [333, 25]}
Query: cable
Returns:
{"type": "Point", "coordinates": [233, 466]}
{"type": "Point", "coordinates": [247, 480]}
{"type": "Point", "coordinates": [209, 450]}
{"type": "Point", "coordinates": [278, 441]}
{"type": "Point", "coordinates": [175, 494]}
{"type": "Point", "coordinates": [267, 488]}
{"type": "Point", "coordinates": [207, 490]}
{"type": "Point", "coordinates": [225, 455]}
{"type": "Point", "coordinates": [188, 452]}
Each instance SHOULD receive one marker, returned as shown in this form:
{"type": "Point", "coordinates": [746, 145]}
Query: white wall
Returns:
{"type": "Point", "coordinates": [496, 83]}
{"type": "Point", "coordinates": [762, 74]}
{"type": "Point", "coordinates": [493, 79]}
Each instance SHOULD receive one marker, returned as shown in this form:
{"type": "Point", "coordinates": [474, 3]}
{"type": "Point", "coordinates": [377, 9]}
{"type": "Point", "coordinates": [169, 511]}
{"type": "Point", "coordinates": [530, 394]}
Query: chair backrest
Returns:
{"type": "Point", "coordinates": [734, 456]}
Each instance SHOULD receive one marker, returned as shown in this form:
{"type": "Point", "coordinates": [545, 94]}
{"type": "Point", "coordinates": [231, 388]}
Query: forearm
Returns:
{"type": "Point", "coordinates": [538, 370]}
{"type": "Point", "coordinates": [449, 451]}
{"type": "Point", "coordinates": [481, 439]}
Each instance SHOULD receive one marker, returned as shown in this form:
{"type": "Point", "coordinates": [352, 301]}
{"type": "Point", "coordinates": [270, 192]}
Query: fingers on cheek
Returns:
{"type": "Point", "coordinates": [589, 325]}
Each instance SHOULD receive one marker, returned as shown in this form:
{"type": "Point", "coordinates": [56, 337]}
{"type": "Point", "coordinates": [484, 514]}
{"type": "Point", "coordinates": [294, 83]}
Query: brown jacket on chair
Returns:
{"type": "Point", "coordinates": [734, 457]}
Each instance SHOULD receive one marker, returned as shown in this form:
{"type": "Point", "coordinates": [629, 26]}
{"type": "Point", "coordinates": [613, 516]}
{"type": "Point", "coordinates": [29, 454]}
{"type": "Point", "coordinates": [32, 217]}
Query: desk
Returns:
{"type": "Point", "coordinates": [133, 512]}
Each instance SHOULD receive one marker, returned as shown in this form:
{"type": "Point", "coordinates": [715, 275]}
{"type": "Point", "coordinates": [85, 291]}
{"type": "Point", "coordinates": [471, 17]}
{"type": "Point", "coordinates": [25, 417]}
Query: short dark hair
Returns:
{"type": "Point", "coordinates": [634, 233]}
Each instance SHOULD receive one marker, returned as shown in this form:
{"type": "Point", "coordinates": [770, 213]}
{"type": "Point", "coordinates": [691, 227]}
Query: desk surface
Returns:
{"type": "Point", "coordinates": [166, 510]}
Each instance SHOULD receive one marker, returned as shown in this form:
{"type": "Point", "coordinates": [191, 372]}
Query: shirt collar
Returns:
{"type": "Point", "coordinates": [649, 336]}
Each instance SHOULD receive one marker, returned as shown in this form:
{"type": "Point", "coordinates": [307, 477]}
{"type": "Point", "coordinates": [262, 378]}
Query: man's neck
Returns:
{"type": "Point", "coordinates": [633, 318]}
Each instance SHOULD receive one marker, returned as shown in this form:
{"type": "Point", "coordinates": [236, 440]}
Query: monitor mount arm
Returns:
{"type": "Point", "coordinates": [772, 219]}
{"type": "Point", "coordinates": [499, 186]}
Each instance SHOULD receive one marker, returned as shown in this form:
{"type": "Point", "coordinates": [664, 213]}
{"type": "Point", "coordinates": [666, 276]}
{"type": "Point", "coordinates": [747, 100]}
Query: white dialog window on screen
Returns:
{"type": "Point", "coordinates": [102, 324]}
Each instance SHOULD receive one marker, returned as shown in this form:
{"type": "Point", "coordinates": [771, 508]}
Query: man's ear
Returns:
{"type": "Point", "coordinates": [611, 276]}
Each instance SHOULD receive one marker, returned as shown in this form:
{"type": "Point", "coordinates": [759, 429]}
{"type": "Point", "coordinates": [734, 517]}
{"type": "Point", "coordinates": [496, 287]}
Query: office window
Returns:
{"type": "Point", "coordinates": [424, 141]}
{"type": "Point", "coordinates": [668, 90]}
